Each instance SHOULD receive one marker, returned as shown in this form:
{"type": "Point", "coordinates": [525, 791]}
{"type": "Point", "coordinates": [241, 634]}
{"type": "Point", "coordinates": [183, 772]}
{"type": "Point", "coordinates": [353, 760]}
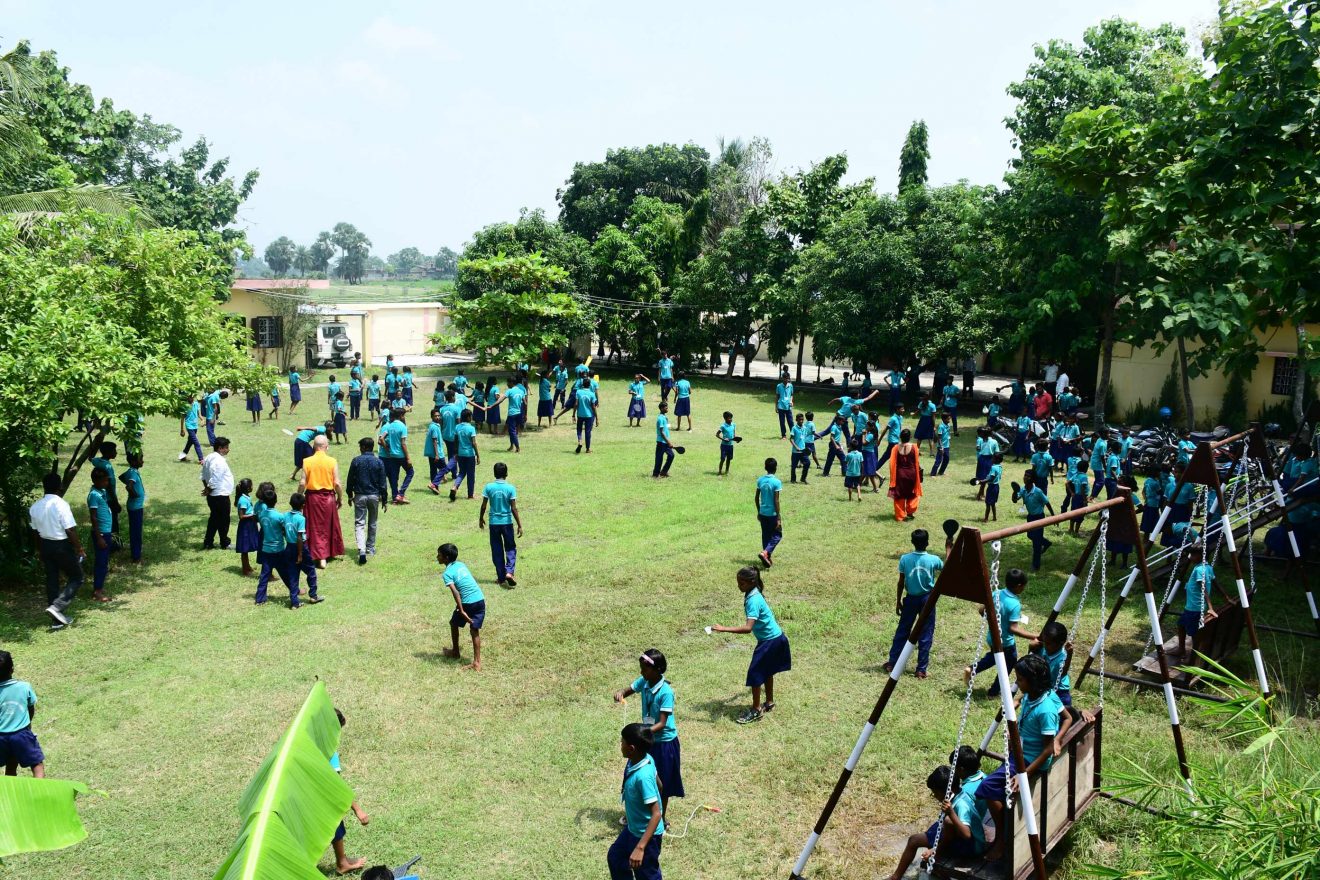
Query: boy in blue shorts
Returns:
{"type": "Point", "coordinates": [1008, 603]}
{"type": "Point", "coordinates": [726, 433]}
{"type": "Point", "coordinates": [1197, 606]}
{"type": "Point", "coordinates": [469, 603]}
{"type": "Point", "coordinates": [18, 705]}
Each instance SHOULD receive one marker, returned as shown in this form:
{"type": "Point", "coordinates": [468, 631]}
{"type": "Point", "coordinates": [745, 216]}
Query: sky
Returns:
{"type": "Point", "coordinates": [421, 122]}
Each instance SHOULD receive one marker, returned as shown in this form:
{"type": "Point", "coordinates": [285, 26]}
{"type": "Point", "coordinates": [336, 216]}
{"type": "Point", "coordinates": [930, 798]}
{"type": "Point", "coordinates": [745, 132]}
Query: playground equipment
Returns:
{"type": "Point", "coordinates": [1050, 802]}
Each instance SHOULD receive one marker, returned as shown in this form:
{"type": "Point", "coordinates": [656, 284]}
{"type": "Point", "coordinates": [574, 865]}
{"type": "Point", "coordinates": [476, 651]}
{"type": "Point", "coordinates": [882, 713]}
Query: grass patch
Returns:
{"type": "Point", "coordinates": [169, 698]}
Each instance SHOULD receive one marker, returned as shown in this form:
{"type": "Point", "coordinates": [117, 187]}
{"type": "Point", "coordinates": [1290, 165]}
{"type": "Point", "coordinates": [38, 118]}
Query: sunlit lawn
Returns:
{"type": "Point", "coordinates": [168, 699]}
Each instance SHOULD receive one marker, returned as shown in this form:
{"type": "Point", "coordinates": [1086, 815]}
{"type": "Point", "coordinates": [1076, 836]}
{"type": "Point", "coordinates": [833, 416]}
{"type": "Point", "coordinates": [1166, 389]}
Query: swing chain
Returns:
{"type": "Point", "coordinates": [1177, 563]}
{"type": "Point", "coordinates": [929, 864]}
{"type": "Point", "coordinates": [1104, 576]}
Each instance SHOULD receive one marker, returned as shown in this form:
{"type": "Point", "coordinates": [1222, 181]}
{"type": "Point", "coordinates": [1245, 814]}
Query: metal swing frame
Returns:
{"type": "Point", "coordinates": [965, 576]}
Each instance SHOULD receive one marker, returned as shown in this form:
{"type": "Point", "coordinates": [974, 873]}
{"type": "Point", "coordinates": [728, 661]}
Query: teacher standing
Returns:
{"type": "Point", "coordinates": [217, 486]}
{"type": "Point", "coordinates": [325, 495]}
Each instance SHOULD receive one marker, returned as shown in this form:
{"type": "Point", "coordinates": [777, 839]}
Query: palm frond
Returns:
{"type": "Point", "coordinates": [19, 78]}
{"type": "Point", "coordinates": [116, 201]}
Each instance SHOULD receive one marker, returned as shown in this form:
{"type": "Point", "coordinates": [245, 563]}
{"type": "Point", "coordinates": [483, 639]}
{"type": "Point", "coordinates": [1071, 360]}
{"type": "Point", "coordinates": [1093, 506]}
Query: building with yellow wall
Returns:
{"type": "Point", "coordinates": [377, 329]}
{"type": "Point", "coordinates": [1137, 374]}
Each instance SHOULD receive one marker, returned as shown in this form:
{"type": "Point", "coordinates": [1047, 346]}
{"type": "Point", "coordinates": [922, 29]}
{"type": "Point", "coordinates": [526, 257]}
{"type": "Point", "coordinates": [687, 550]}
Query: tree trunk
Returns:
{"type": "Point", "coordinates": [79, 458]}
{"type": "Point", "coordinates": [1106, 358]}
{"type": "Point", "coordinates": [802, 347]}
{"type": "Point", "coordinates": [1299, 382]}
{"type": "Point", "coordinates": [733, 360]}
{"type": "Point", "coordinates": [1186, 384]}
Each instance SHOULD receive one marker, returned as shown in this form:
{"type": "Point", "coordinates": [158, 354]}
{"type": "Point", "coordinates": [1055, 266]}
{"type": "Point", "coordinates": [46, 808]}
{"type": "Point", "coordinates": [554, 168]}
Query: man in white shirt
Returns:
{"type": "Point", "coordinates": [1062, 384]}
{"type": "Point", "coordinates": [58, 547]}
{"type": "Point", "coordinates": [1051, 373]}
{"type": "Point", "coordinates": [217, 486]}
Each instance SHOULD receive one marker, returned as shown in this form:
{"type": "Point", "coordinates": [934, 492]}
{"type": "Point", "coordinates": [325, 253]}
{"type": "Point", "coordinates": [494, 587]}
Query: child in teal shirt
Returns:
{"type": "Point", "coordinates": [469, 603]}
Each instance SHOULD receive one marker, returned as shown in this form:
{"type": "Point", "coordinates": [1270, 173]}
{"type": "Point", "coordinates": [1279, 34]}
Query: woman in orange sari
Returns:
{"type": "Point", "coordinates": [905, 477]}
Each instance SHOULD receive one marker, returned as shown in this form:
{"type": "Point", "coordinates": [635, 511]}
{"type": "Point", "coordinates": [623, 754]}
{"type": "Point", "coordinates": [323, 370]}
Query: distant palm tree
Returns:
{"type": "Point", "coordinates": [18, 82]}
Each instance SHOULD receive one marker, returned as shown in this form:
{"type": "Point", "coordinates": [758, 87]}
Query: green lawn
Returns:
{"type": "Point", "coordinates": [168, 699]}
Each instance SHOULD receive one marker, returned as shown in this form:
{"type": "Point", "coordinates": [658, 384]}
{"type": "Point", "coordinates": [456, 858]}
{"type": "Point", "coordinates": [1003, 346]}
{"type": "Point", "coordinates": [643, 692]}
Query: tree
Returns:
{"type": "Point", "coordinates": [914, 157]}
{"type": "Point", "coordinates": [531, 233]}
{"type": "Point", "coordinates": [622, 271]}
{"type": "Point", "coordinates": [302, 260]}
{"type": "Point", "coordinates": [599, 194]}
{"type": "Point", "coordinates": [354, 249]}
{"type": "Point", "coordinates": [297, 322]}
{"type": "Point", "coordinates": [280, 254]}
{"type": "Point", "coordinates": [406, 259]}
{"type": "Point", "coordinates": [522, 307]}
{"type": "Point", "coordinates": [739, 179]}
{"type": "Point", "coordinates": [320, 253]}
{"type": "Point", "coordinates": [1063, 286]}
{"type": "Point", "coordinates": [109, 321]}
{"type": "Point", "coordinates": [446, 263]}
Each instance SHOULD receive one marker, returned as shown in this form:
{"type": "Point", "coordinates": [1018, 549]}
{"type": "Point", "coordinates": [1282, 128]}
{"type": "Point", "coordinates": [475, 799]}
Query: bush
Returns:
{"type": "Point", "coordinates": [1280, 412]}
{"type": "Point", "coordinates": [1144, 412]}
{"type": "Point", "coordinates": [1171, 396]}
{"type": "Point", "coordinates": [1233, 411]}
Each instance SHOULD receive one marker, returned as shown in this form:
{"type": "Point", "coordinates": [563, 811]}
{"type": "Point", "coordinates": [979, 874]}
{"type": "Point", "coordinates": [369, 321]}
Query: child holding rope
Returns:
{"type": "Point", "coordinates": [772, 655]}
{"type": "Point", "coordinates": [658, 717]}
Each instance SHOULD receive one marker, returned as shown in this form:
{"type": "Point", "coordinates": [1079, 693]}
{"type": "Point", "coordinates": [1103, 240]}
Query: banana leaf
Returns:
{"type": "Point", "coordinates": [37, 815]}
{"type": "Point", "coordinates": [293, 804]}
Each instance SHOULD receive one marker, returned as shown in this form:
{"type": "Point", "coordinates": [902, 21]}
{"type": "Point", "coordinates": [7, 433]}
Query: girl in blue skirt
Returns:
{"type": "Point", "coordinates": [925, 423]}
{"type": "Point", "coordinates": [478, 396]}
{"type": "Point", "coordinates": [772, 655]}
{"type": "Point", "coordinates": [1022, 438]}
{"type": "Point", "coordinates": [249, 537]}
{"type": "Point", "coordinates": [637, 400]}
{"type": "Point", "coordinates": [254, 406]}
{"type": "Point", "coordinates": [658, 718]}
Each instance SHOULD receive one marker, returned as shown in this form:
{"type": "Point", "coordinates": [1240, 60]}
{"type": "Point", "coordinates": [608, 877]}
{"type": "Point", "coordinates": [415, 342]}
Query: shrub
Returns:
{"type": "Point", "coordinates": [1280, 412]}
{"type": "Point", "coordinates": [1233, 411]}
{"type": "Point", "coordinates": [1144, 412]}
{"type": "Point", "coordinates": [1171, 396]}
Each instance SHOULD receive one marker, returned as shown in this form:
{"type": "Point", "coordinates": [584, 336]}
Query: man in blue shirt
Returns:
{"type": "Point", "coordinates": [917, 572]}
{"type": "Point", "coordinates": [768, 487]}
{"type": "Point", "coordinates": [502, 499]}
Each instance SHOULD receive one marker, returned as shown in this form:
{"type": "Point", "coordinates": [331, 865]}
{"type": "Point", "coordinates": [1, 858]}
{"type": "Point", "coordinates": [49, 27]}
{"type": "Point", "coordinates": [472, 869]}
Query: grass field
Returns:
{"type": "Point", "coordinates": [168, 699]}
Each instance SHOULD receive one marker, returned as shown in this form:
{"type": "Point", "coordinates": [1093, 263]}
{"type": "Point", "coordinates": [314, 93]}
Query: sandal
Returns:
{"type": "Point", "coordinates": [766, 707]}
{"type": "Point", "coordinates": [750, 716]}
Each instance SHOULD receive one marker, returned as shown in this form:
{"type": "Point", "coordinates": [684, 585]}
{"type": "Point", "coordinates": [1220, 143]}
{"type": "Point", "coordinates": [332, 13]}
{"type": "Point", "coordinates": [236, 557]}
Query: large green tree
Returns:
{"type": "Point", "coordinates": [521, 305]}
{"type": "Point", "coordinates": [532, 232]}
{"type": "Point", "coordinates": [404, 260]}
{"type": "Point", "coordinates": [914, 157]}
{"type": "Point", "coordinates": [280, 254]}
{"type": "Point", "coordinates": [354, 249]}
{"type": "Point", "coordinates": [109, 321]}
{"type": "Point", "coordinates": [599, 194]}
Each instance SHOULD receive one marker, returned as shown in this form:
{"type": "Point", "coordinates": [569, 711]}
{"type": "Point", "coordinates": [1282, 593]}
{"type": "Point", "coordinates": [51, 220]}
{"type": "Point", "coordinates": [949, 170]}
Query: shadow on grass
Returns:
{"type": "Point", "coordinates": [608, 820]}
{"type": "Point", "coordinates": [726, 707]}
{"type": "Point", "coordinates": [22, 605]}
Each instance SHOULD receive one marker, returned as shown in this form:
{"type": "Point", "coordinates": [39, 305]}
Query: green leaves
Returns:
{"type": "Point", "coordinates": [293, 804]}
{"type": "Point", "coordinates": [38, 815]}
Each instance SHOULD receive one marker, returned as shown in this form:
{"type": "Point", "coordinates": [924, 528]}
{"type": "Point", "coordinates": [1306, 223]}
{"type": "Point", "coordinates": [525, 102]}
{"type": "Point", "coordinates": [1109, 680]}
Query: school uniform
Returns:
{"type": "Point", "coordinates": [1179, 533]}
{"type": "Point", "coordinates": [190, 423]}
{"type": "Point", "coordinates": [136, 507]}
{"type": "Point", "coordinates": [852, 469]}
{"type": "Point", "coordinates": [248, 539]}
{"type": "Point", "coordinates": [870, 452]}
{"type": "Point", "coordinates": [406, 381]}
{"type": "Point", "coordinates": [18, 744]}
{"type": "Point", "coordinates": [355, 397]}
{"type": "Point", "coordinates": [657, 701]}
{"type": "Point", "coordinates": [341, 422]}
{"type": "Point", "coordinates": [1009, 609]}
{"type": "Point", "coordinates": [666, 368]}
{"type": "Point", "coordinates": [98, 506]}
{"type": "Point", "coordinates": [1199, 581]}
{"type": "Point", "coordinates": [664, 453]}
{"type": "Point", "coordinates": [1185, 450]}
{"type": "Point", "coordinates": [500, 496]}
{"type": "Point", "coordinates": [811, 443]}
{"type": "Point", "coordinates": [971, 810]}
{"type": "Point", "coordinates": [641, 790]}
{"type": "Point", "coordinates": [1042, 465]}
{"type": "Point", "coordinates": [682, 398]}
{"type": "Point", "coordinates": [1078, 483]}
{"type": "Point", "coordinates": [800, 437]}
{"type": "Point", "coordinates": [561, 384]}
{"type": "Point", "coordinates": [210, 413]}
{"type": "Point", "coordinates": [1059, 679]}
{"type": "Point", "coordinates": [1180, 510]}
{"type": "Point", "coordinates": [1099, 453]}
{"type": "Point", "coordinates": [584, 399]}
{"type": "Point", "coordinates": [992, 416]}
{"type": "Point", "coordinates": [275, 399]}
{"type": "Point", "coordinates": [295, 387]}
{"type": "Point", "coordinates": [727, 432]}
{"type": "Point", "coordinates": [254, 401]}
{"type": "Point", "coordinates": [545, 406]}
{"type": "Point", "coordinates": [941, 450]}
{"type": "Point", "coordinates": [466, 459]}
{"type": "Point", "coordinates": [517, 397]}
{"type": "Point", "coordinates": [1037, 718]}
{"type": "Point", "coordinates": [992, 478]}
{"type": "Point", "coordinates": [925, 421]}
{"type": "Point", "coordinates": [373, 397]}
{"type": "Point", "coordinates": [847, 407]}
{"type": "Point", "coordinates": [837, 448]}
{"type": "Point", "coordinates": [492, 409]}
{"type": "Point", "coordinates": [784, 407]}
{"type": "Point", "coordinates": [295, 527]}
{"type": "Point", "coordinates": [456, 574]}
{"type": "Point", "coordinates": [919, 569]}
{"type": "Point", "coordinates": [330, 391]}
{"type": "Point", "coordinates": [895, 380]}
{"type": "Point", "coordinates": [1022, 437]}
{"type": "Point", "coordinates": [273, 545]}
{"type": "Point", "coordinates": [431, 451]}
{"type": "Point", "coordinates": [393, 436]}
{"type": "Point", "coordinates": [1035, 500]}
{"type": "Point", "coordinates": [1152, 499]}
{"type": "Point", "coordinates": [893, 433]}
{"type": "Point", "coordinates": [951, 395]}
{"type": "Point", "coordinates": [768, 487]}
{"type": "Point", "coordinates": [772, 654]}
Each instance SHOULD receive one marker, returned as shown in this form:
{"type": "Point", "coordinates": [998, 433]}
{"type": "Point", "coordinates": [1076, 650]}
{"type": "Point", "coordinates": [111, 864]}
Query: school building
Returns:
{"type": "Point", "coordinates": [374, 328]}
{"type": "Point", "coordinates": [1137, 374]}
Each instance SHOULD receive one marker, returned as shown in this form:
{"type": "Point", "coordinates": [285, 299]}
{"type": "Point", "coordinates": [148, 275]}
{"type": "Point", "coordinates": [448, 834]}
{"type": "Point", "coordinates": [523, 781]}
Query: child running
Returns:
{"type": "Point", "coordinates": [469, 603]}
{"type": "Point", "coordinates": [768, 488]}
{"type": "Point", "coordinates": [658, 717]}
{"type": "Point", "coordinates": [772, 655]}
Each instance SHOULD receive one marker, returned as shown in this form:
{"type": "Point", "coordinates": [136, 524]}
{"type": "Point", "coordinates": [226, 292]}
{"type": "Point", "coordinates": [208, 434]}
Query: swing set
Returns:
{"type": "Point", "coordinates": [1055, 798]}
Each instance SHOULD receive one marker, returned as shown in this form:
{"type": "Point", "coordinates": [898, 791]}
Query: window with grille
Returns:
{"type": "Point", "coordinates": [267, 332]}
{"type": "Point", "coordinates": [1285, 376]}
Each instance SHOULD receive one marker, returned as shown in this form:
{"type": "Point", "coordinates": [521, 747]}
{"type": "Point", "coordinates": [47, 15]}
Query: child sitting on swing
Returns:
{"type": "Point", "coordinates": [962, 815]}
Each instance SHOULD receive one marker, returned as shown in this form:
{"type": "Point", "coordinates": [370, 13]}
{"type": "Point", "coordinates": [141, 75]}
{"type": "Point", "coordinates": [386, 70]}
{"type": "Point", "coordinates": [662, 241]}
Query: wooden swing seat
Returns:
{"type": "Point", "coordinates": [1060, 796]}
{"type": "Point", "coordinates": [1218, 639]}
